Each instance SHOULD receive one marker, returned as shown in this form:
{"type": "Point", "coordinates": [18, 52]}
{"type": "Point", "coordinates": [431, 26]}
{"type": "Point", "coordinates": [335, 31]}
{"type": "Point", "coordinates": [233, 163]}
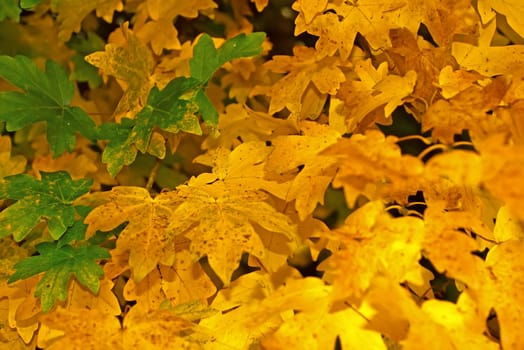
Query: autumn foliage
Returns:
{"type": "Point", "coordinates": [175, 175]}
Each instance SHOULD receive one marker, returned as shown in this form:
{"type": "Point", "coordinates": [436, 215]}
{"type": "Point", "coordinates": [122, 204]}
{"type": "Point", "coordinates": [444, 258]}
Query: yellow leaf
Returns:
{"type": "Point", "coordinates": [447, 18]}
{"type": "Point", "coordinates": [303, 68]}
{"type": "Point", "coordinates": [131, 63]}
{"type": "Point", "coordinates": [105, 300]}
{"type": "Point", "coordinates": [239, 121]}
{"type": "Point", "coordinates": [291, 152]}
{"type": "Point", "coordinates": [397, 316]}
{"type": "Point", "coordinates": [486, 59]}
{"type": "Point", "coordinates": [77, 329]}
{"type": "Point", "coordinates": [72, 12]}
{"type": "Point", "coordinates": [452, 82]}
{"type": "Point", "coordinates": [468, 110]}
{"type": "Point", "coordinates": [155, 21]}
{"type": "Point", "coordinates": [320, 329]}
{"type": "Point", "coordinates": [338, 26]}
{"type": "Point", "coordinates": [411, 53]}
{"type": "Point", "coordinates": [449, 249]}
{"type": "Point", "coordinates": [507, 227]}
{"type": "Point", "coordinates": [24, 308]}
{"type": "Point", "coordinates": [158, 329]}
{"type": "Point", "coordinates": [512, 9]}
{"type": "Point", "coordinates": [373, 165]}
{"type": "Point", "coordinates": [464, 323]}
{"type": "Point", "coordinates": [310, 9]}
{"type": "Point", "coordinates": [375, 88]}
{"type": "Point", "coordinates": [373, 243]}
{"type": "Point", "coordinates": [506, 271]}
{"type": "Point", "coordinates": [502, 163]}
{"type": "Point", "coordinates": [221, 221]}
{"type": "Point", "coordinates": [146, 236]}
{"type": "Point", "coordinates": [82, 329]}
{"type": "Point", "coordinates": [9, 337]}
{"type": "Point", "coordinates": [183, 282]}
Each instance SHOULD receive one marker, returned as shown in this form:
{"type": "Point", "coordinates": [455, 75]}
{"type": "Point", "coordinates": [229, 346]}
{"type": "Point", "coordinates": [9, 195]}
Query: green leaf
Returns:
{"type": "Point", "coordinates": [50, 198]}
{"type": "Point", "coordinates": [76, 232]}
{"type": "Point", "coordinates": [207, 59]}
{"type": "Point", "coordinates": [171, 109]}
{"type": "Point", "coordinates": [206, 108]}
{"type": "Point", "coordinates": [27, 4]}
{"type": "Point", "coordinates": [59, 263]}
{"type": "Point", "coordinates": [119, 151]}
{"type": "Point", "coordinates": [10, 9]}
{"type": "Point", "coordinates": [84, 71]}
{"type": "Point", "coordinates": [46, 97]}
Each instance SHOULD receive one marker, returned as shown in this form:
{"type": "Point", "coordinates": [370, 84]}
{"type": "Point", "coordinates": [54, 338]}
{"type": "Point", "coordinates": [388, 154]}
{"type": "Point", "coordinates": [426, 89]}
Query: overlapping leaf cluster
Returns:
{"type": "Point", "coordinates": [186, 183]}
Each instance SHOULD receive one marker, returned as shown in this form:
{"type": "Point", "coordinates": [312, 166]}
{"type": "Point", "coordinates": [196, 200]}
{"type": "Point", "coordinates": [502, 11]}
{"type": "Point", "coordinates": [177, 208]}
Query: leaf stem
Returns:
{"type": "Point", "coordinates": [152, 175]}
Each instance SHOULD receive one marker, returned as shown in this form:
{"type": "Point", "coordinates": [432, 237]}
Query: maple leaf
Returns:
{"type": "Point", "coordinates": [373, 243]}
{"type": "Point", "coordinates": [449, 249]}
{"type": "Point", "coordinates": [155, 21]}
{"type": "Point", "coordinates": [221, 221]}
{"type": "Point", "coordinates": [10, 337]}
{"type": "Point", "coordinates": [502, 161]}
{"type": "Point", "coordinates": [131, 63]}
{"type": "Point", "coordinates": [83, 328]}
{"type": "Point", "coordinates": [51, 198]}
{"type": "Point", "coordinates": [72, 12]}
{"type": "Point", "coordinates": [46, 98]}
{"type": "Point", "coordinates": [167, 108]}
{"type": "Point", "coordinates": [9, 165]}
{"type": "Point", "coordinates": [105, 300]}
{"type": "Point", "coordinates": [86, 328]}
{"type": "Point", "coordinates": [451, 82]}
{"type": "Point", "coordinates": [445, 19]}
{"type": "Point", "coordinates": [207, 59]}
{"type": "Point", "coordinates": [309, 323]}
{"type": "Point", "coordinates": [239, 121]}
{"type": "Point", "coordinates": [373, 165]}
{"type": "Point", "coordinates": [305, 67]}
{"type": "Point", "coordinates": [292, 152]}
{"type": "Point", "coordinates": [513, 10]}
{"type": "Point", "coordinates": [174, 108]}
{"type": "Point", "coordinates": [487, 59]}
{"type": "Point", "coordinates": [243, 167]}
{"type": "Point", "coordinates": [337, 23]}
{"type": "Point", "coordinates": [398, 316]}
{"type": "Point", "coordinates": [357, 101]}
{"type": "Point", "coordinates": [183, 282]}
{"type": "Point", "coordinates": [230, 327]}
{"type": "Point", "coordinates": [468, 110]}
{"type": "Point", "coordinates": [507, 226]}
{"type": "Point", "coordinates": [58, 263]}
{"type": "Point", "coordinates": [407, 53]}
{"type": "Point", "coordinates": [506, 271]}
{"type": "Point", "coordinates": [146, 236]}
{"type": "Point", "coordinates": [119, 151]}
